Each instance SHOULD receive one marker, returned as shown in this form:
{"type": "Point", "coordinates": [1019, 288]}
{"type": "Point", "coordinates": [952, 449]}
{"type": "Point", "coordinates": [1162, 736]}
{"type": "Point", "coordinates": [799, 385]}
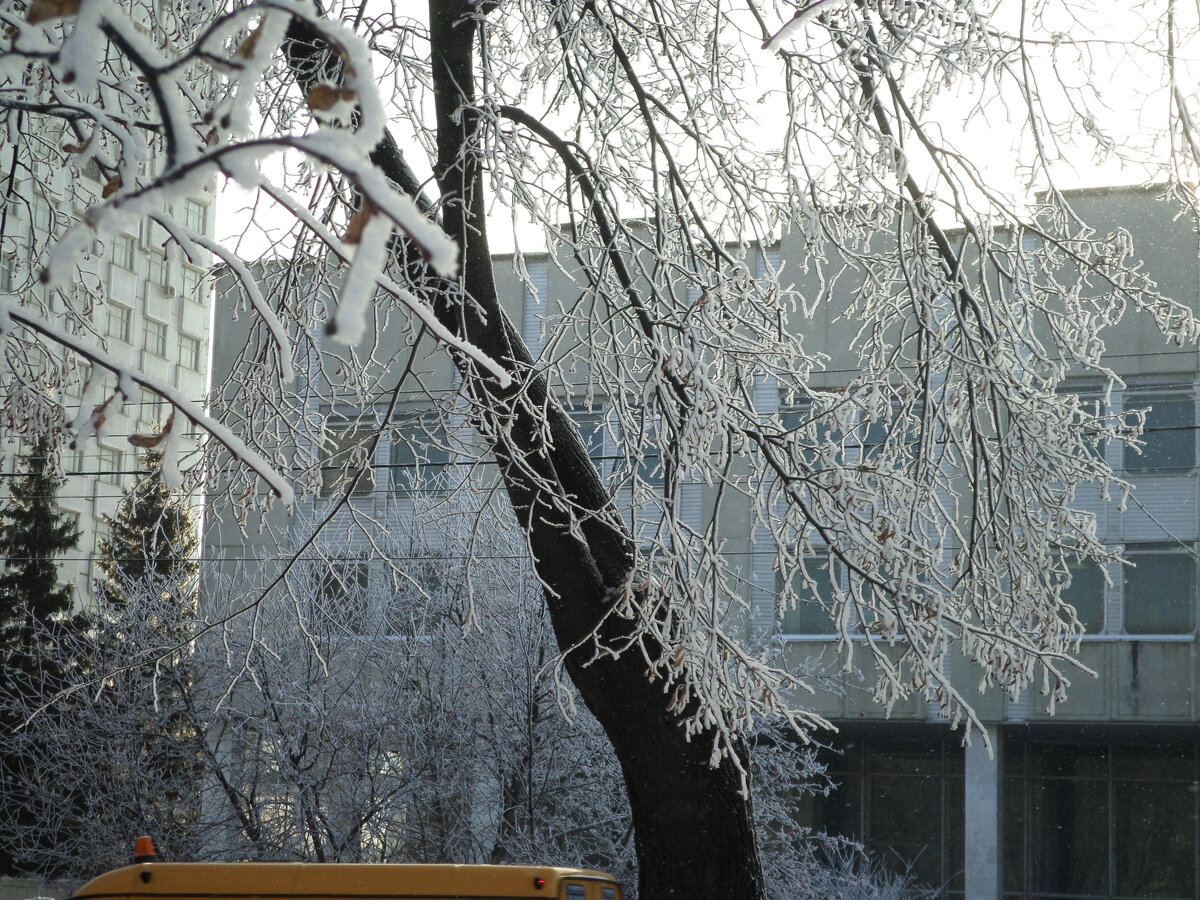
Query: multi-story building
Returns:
{"type": "Point", "coordinates": [1098, 799]}
{"type": "Point", "coordinates": [146, 306]}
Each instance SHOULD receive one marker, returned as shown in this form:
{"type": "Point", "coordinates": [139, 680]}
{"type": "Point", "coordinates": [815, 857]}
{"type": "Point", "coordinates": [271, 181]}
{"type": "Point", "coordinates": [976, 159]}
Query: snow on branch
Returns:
{"type": "Point", "coordinates": [139, 111]}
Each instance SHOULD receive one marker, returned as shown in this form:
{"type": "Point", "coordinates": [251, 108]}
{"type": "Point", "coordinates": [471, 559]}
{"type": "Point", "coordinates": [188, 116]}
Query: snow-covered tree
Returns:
{"type": "Point", "coordinates": [151, 545]}
{"type": "Point", "coordinates": [144, 608]}
{"type": "Point", "coordinates": [34, 532]}
{"type": "Point", "coordinates": [37, 619]}
{"type": "Point", "coordinates": [635, 137]}
{"type": "Point", "coordinates": [119, 744]}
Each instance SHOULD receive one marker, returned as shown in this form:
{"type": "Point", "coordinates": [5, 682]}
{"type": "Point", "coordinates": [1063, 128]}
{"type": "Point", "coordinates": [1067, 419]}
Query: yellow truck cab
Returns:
{"type": "Point", "coordinates": [345, 881]}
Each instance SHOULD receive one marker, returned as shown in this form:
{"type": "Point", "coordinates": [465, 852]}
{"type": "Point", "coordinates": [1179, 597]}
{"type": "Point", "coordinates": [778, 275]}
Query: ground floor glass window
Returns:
{"type": "Point", "coordinates": [1099, 820]}
{"type": "Point", "coordinates": [902, 797]}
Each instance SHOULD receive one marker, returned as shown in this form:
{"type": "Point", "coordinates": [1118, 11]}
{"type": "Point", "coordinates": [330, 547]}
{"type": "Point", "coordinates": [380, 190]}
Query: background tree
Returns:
{"type": "Point", "coordinates": [152, 544]}
{"type": "Point", "coordinates": [588, 112]}
{"type": "Point", "coordinates": [142, 627]}
{"type": "Point", "coordinates": [36, 617]}
{"type": "Point", "coordinates": [377, 731]}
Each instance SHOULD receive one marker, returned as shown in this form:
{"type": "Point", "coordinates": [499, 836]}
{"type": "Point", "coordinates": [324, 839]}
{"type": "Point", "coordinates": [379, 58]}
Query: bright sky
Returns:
{"type": "Point", "coordinates": [1130, 88]}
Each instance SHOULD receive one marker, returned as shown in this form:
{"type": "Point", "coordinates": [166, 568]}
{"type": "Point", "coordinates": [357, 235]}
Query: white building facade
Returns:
{"type": "Point", "coordinates": [136, 298]}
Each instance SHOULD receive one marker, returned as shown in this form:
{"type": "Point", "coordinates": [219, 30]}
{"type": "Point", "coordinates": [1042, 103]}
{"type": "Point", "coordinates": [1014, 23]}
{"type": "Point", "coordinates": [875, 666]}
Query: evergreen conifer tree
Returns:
{"type": "Point", "coordinates": [151, 548]}
{"type": "Point", "coordinates": [35, 622]}
{"type": "Point", "coordinates": [146, 609]}
{"type": "Point", "coordinates": [33, 533]}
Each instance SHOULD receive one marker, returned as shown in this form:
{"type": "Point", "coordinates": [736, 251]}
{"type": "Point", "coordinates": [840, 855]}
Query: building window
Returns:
{"type": "Point", "coordinates": [120, 322]}
{"type": "Point", "coordinates": [902, 797]}
{"type": "Point", "coordinates": [108, 462]}
{"type": "Point", "coordinates": [1169, 436]}
{"type": "Point", "coordinates": [191, 282]}
{"type": "Point", "coordinates": [815, 433]}
{"type": "Point", "coordinates": [154, 340]}
{"type": "Point", "coordinates": [342, 594]}
{"type": "Point", "coordinates": [8, 263]}
{"type": "Point", "coordinates": [42, 218]}
{"type": "Point", "coordinates": [419, 454]}
{"type": "Point", "coordinates": [1086, 594]}
{"type": "Point", "coordinates": [150, 407]}
{"type": "Point", "coordinates": [533, 311]}
{"type": "Point", "coordinates": [1160, 589]}
{"type": "Point", "coordinates": [101, 537]}
{"type": "Point", "coordinates": [810, 615]}
{"type": "Point", "coordinates": [342, 457]}
{"type": "Point", "coordinates": [124, 251]}
{"type": "Point", "coordinates": [195, 216]}
{"type": "Point", "coordinates": [190, 353]}
{"type": "Point", "coordinates": [1099, 820]}
{"type": "Point", "coordinates": [427, 574]}
{"type": "Point", "coordinates": [159, 270]}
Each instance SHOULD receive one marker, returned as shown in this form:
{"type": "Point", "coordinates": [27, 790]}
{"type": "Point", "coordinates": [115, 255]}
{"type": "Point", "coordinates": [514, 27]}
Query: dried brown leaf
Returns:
{"type": "Point", "coordinates": [44, 10]}
{"type": "Point", "coordinates": [246, 48]}
{"type": "Point", "coordinates": [78, 148]}
{"type": "Point", "coordinates": [324, 96]}
{"type": "Point", "coordinates": [114, 185]}
{"type": "Point", "coordinates": [354, 228]}
{"type": "Point", "coordinates": [145, 440]}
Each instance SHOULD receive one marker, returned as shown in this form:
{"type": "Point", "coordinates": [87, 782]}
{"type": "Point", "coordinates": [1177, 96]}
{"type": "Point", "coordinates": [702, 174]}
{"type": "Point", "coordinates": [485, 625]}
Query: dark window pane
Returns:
{"type": "Point", "coordinates": [1069, 760]}
{"type": "Point", "coordinates": [809, 616]}
{"type": "Point", "coordinates": [1155, 846]}
{"type": "Point", "coordinates": [591, 432]}
{"type": "Point", "coordinates": [903, 818]}
{"type": "Point", "coordinates": [956, 853]}
{"type": "Point", "coordinates": [909, 758]}
{"type": "Point", "coordinates": [419, 454]}
{"type": "Point", "coordinates": [1170, 762]}
{"type": "Point", "coordinates": [904, 823]}
{"type": "Point", "coordinates": [1160, 592]}
{"type": "Point", "coordinates": [345, 453]}
{"type": "Point", "coordinates": [341, 596]}
{"type": "Point", "coordinates": [1014, 834]}
{"type": "Point", "coordinates": [1068, 828]}
{"type": "Point", "coordinates": [841, 812]}
{"type": "Point", "coordinates": [1086, 594]}
{"type": "Point", "coordinates": [1169, 436]}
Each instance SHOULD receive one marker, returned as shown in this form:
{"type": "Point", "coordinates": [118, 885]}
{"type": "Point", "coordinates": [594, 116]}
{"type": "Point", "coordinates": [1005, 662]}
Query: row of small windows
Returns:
{"type": "Point", "coordinates": [193, 215]}
{"type": "Point", "coordinates": [420, 450]}
{"type": "Point", "coordinates": [125, 254]}
{"type": "Point", "coordinates": [1154, 595]}
{"type": "Point", "coordinates": [536, 303]}
{"type": "Point", "coordinates": [1168, 441]}
{"type": "Point", "coordinates": [417, 456]}
{"type": "Point", "coordinates": [119, 326]}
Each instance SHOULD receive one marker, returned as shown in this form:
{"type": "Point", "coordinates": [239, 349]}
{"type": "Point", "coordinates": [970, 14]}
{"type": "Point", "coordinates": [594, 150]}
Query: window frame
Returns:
{"type": "Point", "coordinates": [191, 355]}
{"type": "Point", "coordinates": [817, 563]}
{"type": "Point", "coordinates": [154, 338]}
{"type": "Point", "coordinates": [1145, 461]}
{"type": "Point", "coordinates": [124, 252]}
{"type": "Point", "coordinates": [109, 462]}
{"type": "Point", "coordinates": [1147, 551]}
{"type": "Point", "coordinates": [334, 460]}
{"type": "Point", "coordinates": [535, 304]}
{"type": "Point", "coordinates": [195, 216]}
{"type": "Point", "coordinates": [124, 317]}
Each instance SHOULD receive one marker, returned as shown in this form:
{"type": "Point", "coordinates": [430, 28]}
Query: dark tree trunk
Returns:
{"type": "Point", "coordinates": [693, 827]}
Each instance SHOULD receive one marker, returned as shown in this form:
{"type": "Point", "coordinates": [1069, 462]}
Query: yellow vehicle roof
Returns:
{"type": "Point", "coordinates": [337, 880]}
